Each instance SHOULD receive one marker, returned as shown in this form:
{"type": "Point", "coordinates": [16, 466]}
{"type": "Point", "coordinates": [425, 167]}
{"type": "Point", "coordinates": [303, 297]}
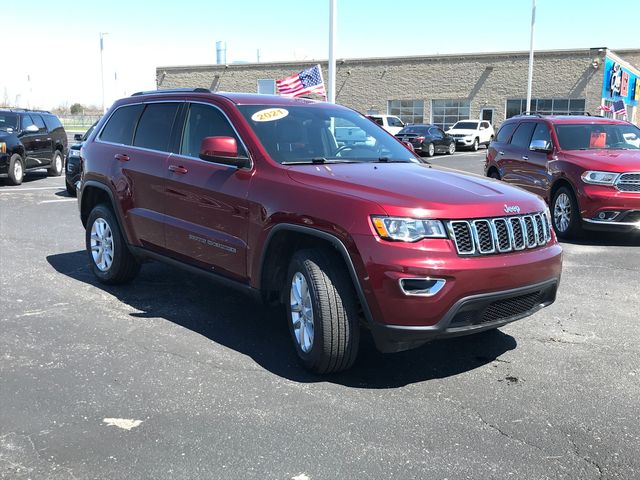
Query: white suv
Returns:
{"type": "Point", "coordinates": [390, 123]}
{"type": "Point", "coordinates": [472, 133]}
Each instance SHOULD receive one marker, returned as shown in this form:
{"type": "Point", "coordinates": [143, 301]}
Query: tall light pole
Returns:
{"type": "Point", "coordinates": [102, 34]}
{"type": "Point", "coordinates": [331, 94]}
{"type": "Point", "coordinates": [530, 78]}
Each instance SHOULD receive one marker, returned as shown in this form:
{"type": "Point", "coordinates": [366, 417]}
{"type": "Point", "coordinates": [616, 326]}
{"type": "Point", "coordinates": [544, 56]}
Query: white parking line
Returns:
{"type": "Point", "coordinates": [30, 189]}
{"type": "Point", "coordinates": [57, 201]}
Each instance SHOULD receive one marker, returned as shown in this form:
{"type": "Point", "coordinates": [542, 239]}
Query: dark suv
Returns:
{"type": "Point", "coordinates": [254, 191]}
{"type": "Point", "coordinates": [30, 140]}
{"type": "Point", "coordinates": [587, 168]}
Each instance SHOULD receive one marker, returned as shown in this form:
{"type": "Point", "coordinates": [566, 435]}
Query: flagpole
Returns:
{"type": "Point", "coordinates": [331, 93]}
{"type": "Point", "coordinates": [530, 77]}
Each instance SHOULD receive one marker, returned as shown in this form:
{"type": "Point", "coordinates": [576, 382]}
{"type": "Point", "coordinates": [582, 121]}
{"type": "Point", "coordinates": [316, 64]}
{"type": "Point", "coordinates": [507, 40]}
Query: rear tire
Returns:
{"type": "Point", "coordinates": [431, 150]}
{"type": "Point", "coordinates": [109, 257]}
{"type": "Point", "coordinates": [565, 215]}
{"type": "Point", "coordinates": [16, 169]}
{"type": "Point", "coordinates": [322, 311]}
{"type": "Point", "coordinates": [493, 173]}
{"type": "Point", "coordinates": [57, 165]}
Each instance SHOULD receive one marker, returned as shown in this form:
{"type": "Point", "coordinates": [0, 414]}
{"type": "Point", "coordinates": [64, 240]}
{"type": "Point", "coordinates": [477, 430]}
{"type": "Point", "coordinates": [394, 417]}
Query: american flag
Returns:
{"type": "Point", "coordinates": [307, 81]}
{"type": "Point", "coordinates": [605, 108]}
{"type": "Point", "coordinates": [619, 108]}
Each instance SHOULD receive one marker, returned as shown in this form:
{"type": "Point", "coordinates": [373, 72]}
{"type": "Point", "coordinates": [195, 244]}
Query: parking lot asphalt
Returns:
{"type": "Point", "coordinates": [174, 377]}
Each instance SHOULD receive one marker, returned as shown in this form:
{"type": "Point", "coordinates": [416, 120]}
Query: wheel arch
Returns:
{"type": "Point", "coordinates": [93, 193]}
{"type": "Point", "coordinates": [562, 182]}
{"type": "Point", "coordinates": [282, 242]}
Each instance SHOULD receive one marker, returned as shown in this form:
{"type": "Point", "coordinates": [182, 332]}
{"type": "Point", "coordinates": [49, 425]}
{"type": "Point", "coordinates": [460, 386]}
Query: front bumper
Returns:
{"type": "Point", "coordinates": [597, 201]}
{"type": "Point", "coordinates": [4, 165]}
{"type": "Point", "coordinates": [465, 142]}
{"type": "Point", "coordinates": [401, 321]}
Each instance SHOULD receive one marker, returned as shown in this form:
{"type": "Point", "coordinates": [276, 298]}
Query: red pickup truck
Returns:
{"type": "Point", "coordinates": [255, 191]}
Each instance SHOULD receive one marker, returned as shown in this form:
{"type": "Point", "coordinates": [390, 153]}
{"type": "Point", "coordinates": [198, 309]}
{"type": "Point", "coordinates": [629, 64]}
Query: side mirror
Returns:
{"type": "Point", "coordinates": [31, 129]}
{"type": "Point", "coordinates": [222, 150]}
{"type": "Point", "coordinates": [541, 146]}
{"type": "Point", "coordinates": [77, 137]}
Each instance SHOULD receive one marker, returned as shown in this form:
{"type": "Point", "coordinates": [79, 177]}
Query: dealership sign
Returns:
{"type": "Point", "coordinates": [620, 83]}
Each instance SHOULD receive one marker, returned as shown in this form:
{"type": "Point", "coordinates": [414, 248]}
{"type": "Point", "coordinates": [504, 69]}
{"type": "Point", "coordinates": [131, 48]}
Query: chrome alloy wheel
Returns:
{"type": "Point", "coordinates": [102, 244]}
{"type": "Point", "coordinates": [562, 212]}
{"type": "Point", "coordinates": [432, 149]}
{"type": "Point", "coordinates": [17, 170]}
{"type": "Point", "coordinates": [58, 163]}
{"type": "Point", "coordinates": [301, 312]}
{"type": "Point", "coordinates": [452, 148]}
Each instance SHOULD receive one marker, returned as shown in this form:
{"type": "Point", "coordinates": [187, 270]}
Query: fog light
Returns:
{"type": "Point", "coordinates": [607, 215]}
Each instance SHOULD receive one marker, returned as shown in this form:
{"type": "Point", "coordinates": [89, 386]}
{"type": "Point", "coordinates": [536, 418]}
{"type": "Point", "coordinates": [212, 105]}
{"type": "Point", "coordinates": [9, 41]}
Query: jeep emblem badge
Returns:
{"type": "Point", "coordinates": [511, 209]}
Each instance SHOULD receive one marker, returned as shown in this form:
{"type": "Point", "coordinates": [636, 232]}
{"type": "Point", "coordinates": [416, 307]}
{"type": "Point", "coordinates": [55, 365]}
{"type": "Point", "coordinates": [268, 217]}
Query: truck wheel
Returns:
{"type": "Point", "coordinates": [57, 165]}
{"type": "Point", "coordinates": [109, 257]}
{"type": "Point", "coordinates": [16, 169]}
{"type": "Point", "coordinates": [322, 311]}
{"type": "Point", "coordinates": [475, 145]}
{"type": "Point", "coordinates": [565, 215]}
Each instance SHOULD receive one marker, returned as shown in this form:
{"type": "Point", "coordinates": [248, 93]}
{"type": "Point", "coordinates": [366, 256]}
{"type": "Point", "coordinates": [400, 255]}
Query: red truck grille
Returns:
{"type": "Point", "coordinates": [499, 235]}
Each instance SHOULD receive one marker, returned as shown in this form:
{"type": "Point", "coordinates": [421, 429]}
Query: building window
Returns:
{"type": "Point", "coordinates": [409, 111]}
{"type": "Point", "coordinates": [444, 113]}
{"type": "Point", "coordinates": [547, 106]}
{"type": "Point", "coordinates": [267, 87]}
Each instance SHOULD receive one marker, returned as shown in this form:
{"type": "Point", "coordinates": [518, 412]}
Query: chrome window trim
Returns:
{"type": "Point", "coordinates": [183, 101]}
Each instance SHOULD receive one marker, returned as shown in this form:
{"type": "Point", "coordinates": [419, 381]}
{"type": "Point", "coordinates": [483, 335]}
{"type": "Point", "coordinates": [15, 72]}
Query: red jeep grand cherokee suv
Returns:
{"type": "Point", "coordinates": [587, 168]}
{"type": "Point", "coordinates": [255, 190]}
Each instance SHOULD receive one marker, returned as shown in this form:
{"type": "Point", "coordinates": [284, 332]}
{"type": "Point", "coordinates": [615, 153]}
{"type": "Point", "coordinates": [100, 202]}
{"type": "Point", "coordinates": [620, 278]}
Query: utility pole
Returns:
{"type": "Point", "coordinates": [530, 77]}
{"type": "Point", "coordinates": [102, 34]}
{"type": "Point", "coordinates": [331, 94]}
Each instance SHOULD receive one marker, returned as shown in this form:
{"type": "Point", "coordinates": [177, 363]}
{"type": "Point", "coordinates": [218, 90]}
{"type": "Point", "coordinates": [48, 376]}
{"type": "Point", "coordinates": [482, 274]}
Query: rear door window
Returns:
{"type": "Point", "coordinates": [522, 136]}
{"type": "Point", "coordinates": [505, 132]}
{"type": "Point", "coordinates": [155, 125]}
{"type": "Point", "coordinates": [120, 127]}
{"type": "Point", "coordinates": [37, 120]}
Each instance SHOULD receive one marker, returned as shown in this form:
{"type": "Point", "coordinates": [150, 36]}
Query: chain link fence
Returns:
{"type": "Point", "coordinates": [78, 122]}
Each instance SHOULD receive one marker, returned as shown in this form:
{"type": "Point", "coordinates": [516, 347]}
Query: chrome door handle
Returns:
{"type": "Point", "coordinates": [500, 153]}
{"type": "Point", "coordinates": [177, 169]}
{"type": "Point", "coordinates": [524, 157]}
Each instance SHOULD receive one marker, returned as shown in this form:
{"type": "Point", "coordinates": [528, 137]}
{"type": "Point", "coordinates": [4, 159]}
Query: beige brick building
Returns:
{"type": "Point", "coordinates": [441, 89]}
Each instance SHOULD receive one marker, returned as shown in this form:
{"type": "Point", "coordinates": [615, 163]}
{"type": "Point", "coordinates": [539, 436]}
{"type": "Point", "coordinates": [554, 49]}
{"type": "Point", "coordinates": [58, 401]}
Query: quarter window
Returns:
{"type": "Point", "coordinates": [119, 128]}
{"type": "Point", "coordinates": [522, 136]}
{"type": "Point", "coordinates": [445, 113]}
{"type": "Point", "coordinates": [204, 121]}
{"type": "Point", "coordinates": [409, 111]}
{"type": "Point", "coordinates": [52, 122]}
{"type": "Point", "coordinates": [154, 127]}
{"type": "Point", "coordinates": [505, 132]}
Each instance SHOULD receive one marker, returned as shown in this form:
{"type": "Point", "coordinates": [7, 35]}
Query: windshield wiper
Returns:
{"type": "Point", "coordinates": [317, 161]}
{"type": "Point", "coordinates": [388, 160]}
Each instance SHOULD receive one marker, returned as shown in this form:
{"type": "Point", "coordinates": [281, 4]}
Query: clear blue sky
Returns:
{"type": "Point", "coordinates": [57, 46]}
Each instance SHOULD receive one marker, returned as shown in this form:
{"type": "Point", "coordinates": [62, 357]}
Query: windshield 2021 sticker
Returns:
{"type": "Point", "coordinates": [269, 115]}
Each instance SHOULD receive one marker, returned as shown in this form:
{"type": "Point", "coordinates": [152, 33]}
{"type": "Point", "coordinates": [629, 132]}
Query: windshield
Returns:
{"type": "Point", "coordinates": [318, 133]}
{"type": "Point", "coordinates": [88, 132]}
{"type": "Point", "coordinates": [8, 121]}
{"type": "Point", "coordinates": [465, 126]}
{"type": "Point", "coordinates": [597, 136]}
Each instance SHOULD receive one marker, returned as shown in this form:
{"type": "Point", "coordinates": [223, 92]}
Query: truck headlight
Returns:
{"type": "Point", "coordinates": [408, 229]}
{"type": "Point", "coordinates": [599, 178]}
{"type": "Point", "coordinates": [3, 147]}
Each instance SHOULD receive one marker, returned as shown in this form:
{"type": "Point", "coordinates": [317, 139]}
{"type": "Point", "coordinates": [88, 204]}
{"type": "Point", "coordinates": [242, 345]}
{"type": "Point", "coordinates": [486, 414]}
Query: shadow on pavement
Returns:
{"type": "Point", "coordinates": [607, 239]}
{"type": "Point", "coordinates": [236, 321]}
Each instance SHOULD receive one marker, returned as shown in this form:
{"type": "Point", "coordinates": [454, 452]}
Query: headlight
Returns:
{"type": "Point", "coordinates": [74, 153]}
{"type": "Point", "coordinates": [599, 178]}
{"type": "Point", "coordinates": [3, 147]}
{"type": "Point", "coordinates": [408, 229]}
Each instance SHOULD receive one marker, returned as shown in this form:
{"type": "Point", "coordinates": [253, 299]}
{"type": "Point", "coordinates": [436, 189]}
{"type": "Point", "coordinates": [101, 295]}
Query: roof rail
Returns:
{"type": "Point", "coordinates": [174, 90]}
{"type": "Point", "coordinates": [26, 110]}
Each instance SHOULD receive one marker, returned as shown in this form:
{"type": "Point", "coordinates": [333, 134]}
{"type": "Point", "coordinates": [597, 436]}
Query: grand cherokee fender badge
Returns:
{"type": "Point", "coordinates": [511, 209]}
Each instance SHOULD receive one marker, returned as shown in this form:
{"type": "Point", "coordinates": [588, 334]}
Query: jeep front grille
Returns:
{"type": "Point", "coordinates": [499, 235]}
{"type": "Point", "coordinates": [629, 182]}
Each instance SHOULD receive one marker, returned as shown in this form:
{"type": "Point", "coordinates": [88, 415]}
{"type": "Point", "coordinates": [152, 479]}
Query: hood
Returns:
{"type": "Point", "coordinates": [461, 131]}
{"type": "Point", "coordinates": [418, 190]}
{"type": "Point", "coordinates": [606, 160]}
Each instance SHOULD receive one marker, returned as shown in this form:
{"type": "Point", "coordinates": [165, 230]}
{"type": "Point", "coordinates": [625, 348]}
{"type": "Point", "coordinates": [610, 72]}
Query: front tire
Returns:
{"type": "Point", "coordinates": [109, 257]}
{"type": "Point", "coordinates": [452, 148]}
{"type": "Point", "coordinates": [565, 215]}
{"type": "Point", "coordinates": [57, 165]}
{"type": "Point", "coordinates": [16, 169]}
{"type": "Point", "coordinates": [322, 311]}
{"type": "Point", "coordinates": [476, 144]}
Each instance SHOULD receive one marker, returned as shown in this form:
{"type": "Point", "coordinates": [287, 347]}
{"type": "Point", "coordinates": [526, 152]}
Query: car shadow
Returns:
{"type": "Point", "coordinates": [233, 319]}
{"type": "Point", "coordinates": [607, 239]}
